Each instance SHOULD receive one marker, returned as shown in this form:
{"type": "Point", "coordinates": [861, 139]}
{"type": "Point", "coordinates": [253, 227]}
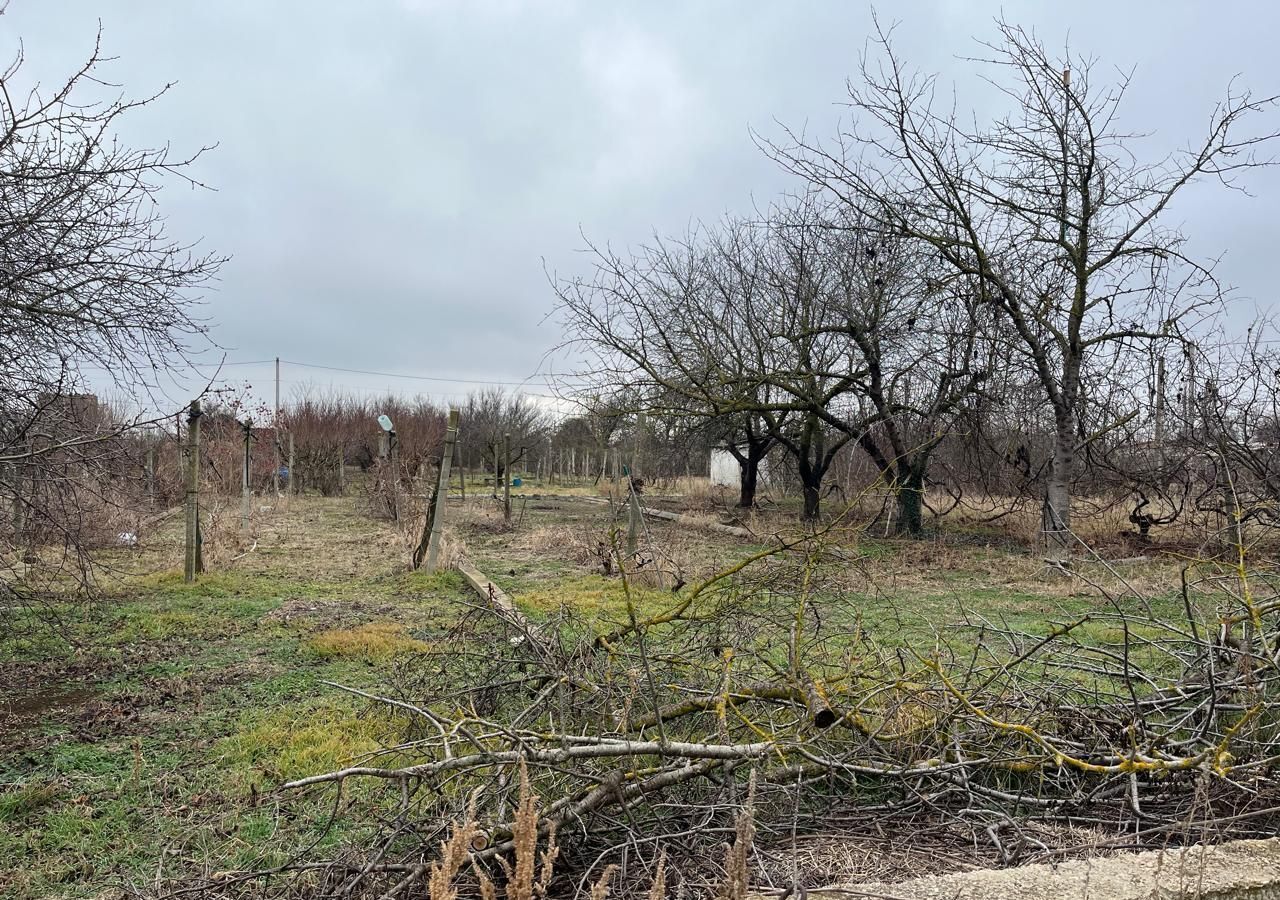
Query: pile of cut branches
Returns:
{"type": "Point", "coordinates": [639, 739]}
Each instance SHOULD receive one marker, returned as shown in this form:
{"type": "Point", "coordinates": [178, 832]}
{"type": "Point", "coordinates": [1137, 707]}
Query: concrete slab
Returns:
{"type": "Point", "coordinates": [1239, 870]}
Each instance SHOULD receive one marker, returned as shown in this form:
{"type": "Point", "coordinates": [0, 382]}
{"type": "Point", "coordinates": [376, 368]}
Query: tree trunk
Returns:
{"type": "Point", "coordinates": [811, 465]}
{"type": "Point", "coordinates": [810, 488]}
{"type": "Point", "coordinates": [812, 502]}
{"type": "Point", "coordinates": [750, 473]}
{"type": "Point", "coordinates": [1057, 497]}
{"type": "Point", "coordinates": [911, 505]}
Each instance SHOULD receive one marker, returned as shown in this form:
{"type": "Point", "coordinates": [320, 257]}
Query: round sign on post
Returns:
{"type": "Point", "coordinates": [385, 422]}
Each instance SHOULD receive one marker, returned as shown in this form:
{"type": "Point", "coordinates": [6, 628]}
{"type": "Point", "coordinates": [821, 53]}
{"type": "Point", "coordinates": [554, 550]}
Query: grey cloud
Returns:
{"type": "Point", "coordinates": [391, 175]}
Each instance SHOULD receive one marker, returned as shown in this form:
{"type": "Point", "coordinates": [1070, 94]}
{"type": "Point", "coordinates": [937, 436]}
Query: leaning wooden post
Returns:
{"type": "Point", "coordinates": [193, 560]}
{"type": "Point", "coordinates": [506, 476]}
{"type": "Point", "coordinates": [439, 502]}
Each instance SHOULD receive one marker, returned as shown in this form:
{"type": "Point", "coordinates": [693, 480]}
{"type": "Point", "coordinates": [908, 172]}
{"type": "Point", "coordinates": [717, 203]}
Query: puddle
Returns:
{"type": "Point", "coordinates": [33, 708]}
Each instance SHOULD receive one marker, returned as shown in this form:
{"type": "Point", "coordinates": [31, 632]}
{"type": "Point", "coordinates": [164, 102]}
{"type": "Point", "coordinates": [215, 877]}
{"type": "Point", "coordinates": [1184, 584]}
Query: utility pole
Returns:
{"type": "Point", "coordinates": [194, 563]}
{"type": "Point", "coordinates": [275, 436]}
{"type": "Point", "coordinates": [506, 477]}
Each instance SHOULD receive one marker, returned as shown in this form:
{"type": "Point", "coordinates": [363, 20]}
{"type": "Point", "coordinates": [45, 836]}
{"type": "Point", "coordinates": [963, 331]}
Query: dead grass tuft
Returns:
{"type": "Point", "coordinates": [373, 640]}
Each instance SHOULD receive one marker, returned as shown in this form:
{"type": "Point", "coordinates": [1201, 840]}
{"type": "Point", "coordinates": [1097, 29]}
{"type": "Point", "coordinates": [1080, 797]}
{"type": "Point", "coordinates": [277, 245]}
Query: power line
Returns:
{"type": "Point", "coordinates": [418, 377]}
{"type": "Point", "coordinates": [305, 365]}
{"type": "Point", "coordinates": [381, 391]}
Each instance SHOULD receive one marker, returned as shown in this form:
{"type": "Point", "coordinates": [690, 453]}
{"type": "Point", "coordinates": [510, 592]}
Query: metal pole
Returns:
{"type": "Point", "coordinates": [275, 435]}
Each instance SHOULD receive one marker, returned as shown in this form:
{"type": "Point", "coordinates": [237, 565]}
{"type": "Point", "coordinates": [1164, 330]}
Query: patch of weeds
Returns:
{"type": "Point", "coordinates": [373, 640]}
{"type": "Point", "coordinates": [594, 598]}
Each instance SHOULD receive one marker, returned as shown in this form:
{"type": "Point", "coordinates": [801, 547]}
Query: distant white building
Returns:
{"type": "Point", "coordinates": [727, 472]}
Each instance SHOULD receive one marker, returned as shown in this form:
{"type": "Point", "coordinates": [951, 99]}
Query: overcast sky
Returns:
{"type": "Point", "coordinates": [391, 174]}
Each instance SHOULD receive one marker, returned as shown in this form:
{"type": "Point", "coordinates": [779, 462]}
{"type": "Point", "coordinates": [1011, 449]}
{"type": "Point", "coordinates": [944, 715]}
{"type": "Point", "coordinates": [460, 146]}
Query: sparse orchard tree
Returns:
{"type": "Point", "coordinates": [1047, 210]}
{"type": "Point", "coordinates": [915, 337]}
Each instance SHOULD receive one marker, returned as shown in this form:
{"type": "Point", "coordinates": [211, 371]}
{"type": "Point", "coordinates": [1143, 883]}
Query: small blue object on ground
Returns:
{"type": "Point", "coordinates": [516, 482]}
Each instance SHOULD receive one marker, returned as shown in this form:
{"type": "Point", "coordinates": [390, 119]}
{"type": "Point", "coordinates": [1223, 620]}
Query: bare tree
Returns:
{"type": "Point", "coordinates": [490, 414]}
{"type": "Point", "coordinates": [808, 330]}
{"type": "Point", "coordinates": [1046, 209]}
{"type": "Point", "coordinates": [714, 326]}
{"type": "Point", "coordinates": [90, 281]}
{"type": "Point", "coordinates": [915, 338]}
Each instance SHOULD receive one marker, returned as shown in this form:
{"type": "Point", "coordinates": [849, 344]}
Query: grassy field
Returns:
{"type": "Point", "coordinates": [142, 734]}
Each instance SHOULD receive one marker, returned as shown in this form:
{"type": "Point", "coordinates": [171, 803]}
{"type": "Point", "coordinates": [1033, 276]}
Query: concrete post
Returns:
{"type": "Point", "coordinates": [193, 556]}
{"type": "Point", "coordinates": [506, 477]}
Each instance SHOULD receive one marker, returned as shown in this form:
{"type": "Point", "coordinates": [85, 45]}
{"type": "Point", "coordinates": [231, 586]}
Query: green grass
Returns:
{"type": "Point", "coordinates": [210, 694]}
{"type": "Point", "coordinates": [229, 703]}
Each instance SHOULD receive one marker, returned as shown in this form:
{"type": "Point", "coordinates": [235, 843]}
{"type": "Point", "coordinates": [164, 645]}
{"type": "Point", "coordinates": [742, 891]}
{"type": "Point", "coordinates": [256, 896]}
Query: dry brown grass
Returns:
{"type": "Point", "coordinates": [373, 640]}
{"type": "Point", "coordinates": [455, 852]}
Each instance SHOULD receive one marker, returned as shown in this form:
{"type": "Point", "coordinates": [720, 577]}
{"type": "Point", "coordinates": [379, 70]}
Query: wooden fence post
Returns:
{"type": "Point", "coordinates": [293, 471]}
{"type": "Point", "coordinates": [194, 562]}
